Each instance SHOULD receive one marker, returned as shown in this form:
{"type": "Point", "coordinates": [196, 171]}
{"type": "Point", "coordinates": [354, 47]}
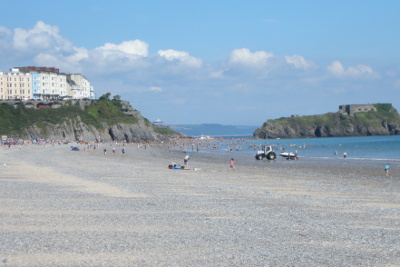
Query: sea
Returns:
{"type": "Point", "coordinates": [375, 148]}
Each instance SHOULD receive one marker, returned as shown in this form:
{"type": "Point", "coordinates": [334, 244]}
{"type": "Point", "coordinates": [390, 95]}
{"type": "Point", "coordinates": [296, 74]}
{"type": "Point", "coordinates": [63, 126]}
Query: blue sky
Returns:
{"type": "Point", "coordinates": [228, 62]}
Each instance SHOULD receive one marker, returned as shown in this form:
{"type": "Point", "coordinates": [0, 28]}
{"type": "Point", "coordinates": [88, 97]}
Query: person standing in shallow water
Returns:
{"type": "Point", "coordinates": [345, 155]}
{"type": "Point", "coordinates": [387, 169]}
{"type": "Point", "coordinates": [232, 164]}
{"type": "Point", "coordinates": [185, 160]}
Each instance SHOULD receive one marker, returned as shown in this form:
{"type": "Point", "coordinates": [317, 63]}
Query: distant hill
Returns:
{"type": "Point", "coordinates": [214, 130]}
{"type": "Point", "coordinates": [379, 119]}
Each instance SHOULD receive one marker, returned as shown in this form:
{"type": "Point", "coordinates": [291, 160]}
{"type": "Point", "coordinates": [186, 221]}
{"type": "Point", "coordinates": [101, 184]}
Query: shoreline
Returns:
{"type": "Point", "coordinates": [61, 207]}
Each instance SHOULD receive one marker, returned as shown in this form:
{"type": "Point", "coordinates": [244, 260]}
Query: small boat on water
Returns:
{"type": "Point", "coordinates": [288, 155]}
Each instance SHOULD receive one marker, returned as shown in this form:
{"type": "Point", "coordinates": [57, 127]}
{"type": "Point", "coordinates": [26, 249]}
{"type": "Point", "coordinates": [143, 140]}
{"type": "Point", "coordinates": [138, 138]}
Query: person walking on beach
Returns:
{"type": "Point", "coordinates": [185, 160]}
{"type": "Point", "coordinates": [345, 155]}
{"type": "Point", "coordinates": [232, 164]}
{"type": "Point", "coordinates": [105, 151]}
{"type": "Point", "coordinates": [387, 169]}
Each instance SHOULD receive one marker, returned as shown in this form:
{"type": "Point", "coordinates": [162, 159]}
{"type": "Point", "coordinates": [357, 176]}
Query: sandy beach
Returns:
{"type": "Point", "coordinates": [66, 208]}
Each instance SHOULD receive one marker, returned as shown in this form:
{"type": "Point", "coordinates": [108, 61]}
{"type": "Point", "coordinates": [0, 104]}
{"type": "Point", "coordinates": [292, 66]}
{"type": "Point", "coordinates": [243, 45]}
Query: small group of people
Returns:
{"type": "Point", "coordinates": [113, 151]}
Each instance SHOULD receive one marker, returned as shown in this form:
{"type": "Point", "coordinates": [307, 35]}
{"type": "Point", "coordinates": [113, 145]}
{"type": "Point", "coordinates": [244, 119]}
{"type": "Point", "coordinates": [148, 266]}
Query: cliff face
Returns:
{"type": "Point", "coordinates": [84, 120]}
{"type": "Point", "coordinates": [332, 125]}
{"type": "Point", "coordinates": [75, 129]}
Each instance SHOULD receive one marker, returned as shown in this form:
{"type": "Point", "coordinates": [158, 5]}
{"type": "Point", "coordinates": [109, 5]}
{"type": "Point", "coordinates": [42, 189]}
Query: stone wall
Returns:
{"type": "Point", "coordinates": [352, 109]}
{"type": "Point", "coordinates": [48, 103]}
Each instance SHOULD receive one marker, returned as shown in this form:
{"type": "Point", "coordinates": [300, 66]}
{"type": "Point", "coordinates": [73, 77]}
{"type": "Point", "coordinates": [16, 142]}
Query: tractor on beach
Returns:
{"type": "Point", "coordinates": [267, 152]}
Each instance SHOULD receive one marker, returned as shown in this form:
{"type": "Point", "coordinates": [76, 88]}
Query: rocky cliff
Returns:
{"type": "Point", "coordinates": [100, 120]}
{"type": "Point", "coordinates": [74, 129]}
{"type": "Point", "coordinates": [380, 122]}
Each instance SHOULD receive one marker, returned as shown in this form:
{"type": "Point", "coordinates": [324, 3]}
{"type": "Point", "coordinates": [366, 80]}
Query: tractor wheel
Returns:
{"type": "Point", "coordinates": [259, 157]}
{"type": "Point", "coordinates": [271, 156]}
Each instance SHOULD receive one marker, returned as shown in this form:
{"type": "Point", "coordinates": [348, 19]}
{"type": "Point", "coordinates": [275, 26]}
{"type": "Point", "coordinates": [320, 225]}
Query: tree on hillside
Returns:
{"type": "Point", "coordinates": [105, 97]}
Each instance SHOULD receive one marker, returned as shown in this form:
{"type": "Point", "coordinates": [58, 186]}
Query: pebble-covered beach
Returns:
{"type": "Point", "coordinates": [83, 208]}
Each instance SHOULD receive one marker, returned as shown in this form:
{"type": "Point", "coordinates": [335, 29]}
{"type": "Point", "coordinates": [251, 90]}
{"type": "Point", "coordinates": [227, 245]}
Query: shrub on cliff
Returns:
{"type": "Point", "coordinates": [109, 111]}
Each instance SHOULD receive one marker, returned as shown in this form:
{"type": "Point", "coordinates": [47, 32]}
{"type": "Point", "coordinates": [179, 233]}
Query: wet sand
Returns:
{"type": "Point", "coordinates": [65, 208]}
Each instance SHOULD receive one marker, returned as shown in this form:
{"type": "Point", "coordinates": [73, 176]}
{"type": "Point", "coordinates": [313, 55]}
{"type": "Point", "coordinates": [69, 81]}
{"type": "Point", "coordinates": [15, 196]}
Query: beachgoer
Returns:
{"type": "Point", "coordinates": [113, 150]}
{"type": "Point", "coordinates": [387, 169]}
{"type": "Point", "coordinates": [123, 151]}
{"type": "Point", "coordinates": [232, 164]}
{"type": "Point", "coordinates": [345, 155]}
{"type": "Point", "coordinates": [185, 160]}
{"type": "Point", "coordinates": [105, 151]}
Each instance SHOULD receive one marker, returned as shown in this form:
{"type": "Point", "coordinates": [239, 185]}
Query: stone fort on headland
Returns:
{"type": "Point", "coordinates": [352, 109]}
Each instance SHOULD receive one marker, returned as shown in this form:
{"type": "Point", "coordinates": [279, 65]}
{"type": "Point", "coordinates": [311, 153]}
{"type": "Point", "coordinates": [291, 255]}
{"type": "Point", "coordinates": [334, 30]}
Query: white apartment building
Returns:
{"type": "Point", "coordinates": [79, 87]}
{"type": "Point", "coordinates": [15, 85]}
{"type": "Point", "coordinates": [49, 83]}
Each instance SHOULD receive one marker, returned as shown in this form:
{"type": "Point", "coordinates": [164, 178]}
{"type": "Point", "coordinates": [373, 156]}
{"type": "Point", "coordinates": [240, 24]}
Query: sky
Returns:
{"type": "Point", "coordinates": [227, 62]}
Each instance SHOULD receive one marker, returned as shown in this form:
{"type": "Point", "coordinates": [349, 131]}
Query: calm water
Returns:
{"type": "Point", "coordinates": [370, 147]}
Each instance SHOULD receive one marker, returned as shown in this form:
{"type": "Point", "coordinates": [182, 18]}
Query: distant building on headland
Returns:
{"type": "Point", "coordinates": [43, 83]}
{"type": "Point", "coordinates": [159, 124]}
{"type": "Point", "coordinates": [352, 109]}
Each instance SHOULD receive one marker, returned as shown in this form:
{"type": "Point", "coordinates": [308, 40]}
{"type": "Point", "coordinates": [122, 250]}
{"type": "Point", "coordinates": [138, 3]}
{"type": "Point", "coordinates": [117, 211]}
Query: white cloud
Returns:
{"type": "Point", "coordinates": [69, 63]}
{"type": "Point", "coordinates": [337, 69]}
{"type": "Point", "coordinates": [40, 37]}
{"type": "Point", "coordinates": [49, 48]}
{"type": "Point", "coordinates": [217, 74]}
{"type": "Point", "coordinates": [180, 56]}
{"type": "Point", "coordinates": [111, 58]}
{"type": "Point", "coordinates": [79, 54]}
{"type": "Point", "coordinates": [127, 48]}
{"type": "Point", "coordinates": [244, 56]}
{"type": "Point", "coordinates": [359, 70]}
{"type": "Point", "coordinates": [298, 62]}
{"type": "Point", "coordinates": [4, 32]}
{"type": "Point", "coordinates": [155, 89]}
